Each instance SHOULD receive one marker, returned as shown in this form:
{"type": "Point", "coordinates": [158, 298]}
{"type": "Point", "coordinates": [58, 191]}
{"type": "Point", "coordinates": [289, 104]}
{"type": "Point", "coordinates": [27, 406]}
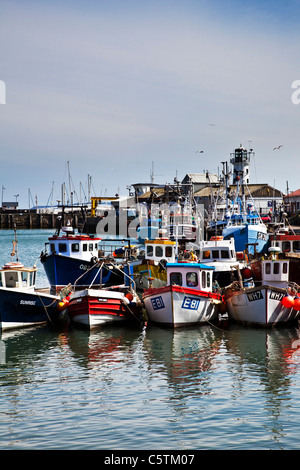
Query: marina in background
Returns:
{"type": "Point", "coordinates": [194, 260]}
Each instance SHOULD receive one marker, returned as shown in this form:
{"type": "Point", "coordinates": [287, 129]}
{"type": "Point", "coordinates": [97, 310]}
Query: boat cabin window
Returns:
{"type": "Point", "coordinates": [286, 246]}
{"type": "Point", "coordinates": [52, 247]}
{"type": "Point", "coordinates": [150, 250]}
{"type": "Point", "coordinates": [24, 278]}
{"type": "Point", "coordinates": [224, 254]}
{"type": "Point", "coordinates": [215, 253]}
{"type": "Point", "coordinates": [296, 245]}
{"type": "Point", "coordinates": [169, 251]}
{"type": "Point", "coordinates": [62, 247]}
{"type": "Point", "coordinates": [206, 254]}
{"type": "Point", "coordinates": [203, 281]}
{"type": "Point", "coordinates": [158, 251]}
{"type": "Point", "coordinates": [191, 279]}
{"type": "Point", "coordinates": [176, 278]}
{"type": "Point", "coordinates": [84, 247]}
{"type": "Point", "coordinates": [276, 268]}
{"type": "Point", "coordinates": [11, 279]}
{"type": "Point", "coordinates": [90, 247]}
{"type": "Point", "coordinates": [31, 278]}
{"type": "Point", "coordinates": [75, 247]}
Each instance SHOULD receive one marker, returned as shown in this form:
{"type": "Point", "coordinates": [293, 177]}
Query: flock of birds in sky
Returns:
{"type": "Point", "coordinates": [202, 151]}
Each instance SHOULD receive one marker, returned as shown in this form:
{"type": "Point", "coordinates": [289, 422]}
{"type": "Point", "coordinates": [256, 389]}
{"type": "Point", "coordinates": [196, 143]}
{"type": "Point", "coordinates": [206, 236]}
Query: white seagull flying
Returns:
{"type": "Point", "coordinates": [277, 148]}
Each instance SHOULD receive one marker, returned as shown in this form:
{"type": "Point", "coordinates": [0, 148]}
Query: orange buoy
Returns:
{"type": "Point", "coordinates": [247, 273]}
{"type": "Point", "coordinates": [63, 303]}
{"type": "Point", "coordinates": [296, 305]}
{"type": "Point", "coordinates": [288, 301]}
{"type": "Point", "coordinates": [129, 296]}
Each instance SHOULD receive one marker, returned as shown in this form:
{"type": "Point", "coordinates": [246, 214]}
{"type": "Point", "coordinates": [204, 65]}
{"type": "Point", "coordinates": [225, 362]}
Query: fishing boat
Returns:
{"type": "Point", "coordinates": [248, 231]}
{"type": "Point", "coordinates": [22, 304]}
{"type": "Point", "coordinates": [149, 229]}
{"type": "Point", "coordinates": [187, 299]}
{"type": "Point", "coordinates": [221, 255]}
{"type": "Point", "coordinates": [241, 219]}
{"type": "Point", "coordinates": [182, 227]}
{"type": "Point", "coordinates": [72, 257]}
{"type": "Point", "coordinates": [95, 307]}
{"type": "Point", "coordinates": [289, 243]}
{"type": "Point", "coordinates": [274, 301]}
{"type": "Point", "coordinates": [150, 270]}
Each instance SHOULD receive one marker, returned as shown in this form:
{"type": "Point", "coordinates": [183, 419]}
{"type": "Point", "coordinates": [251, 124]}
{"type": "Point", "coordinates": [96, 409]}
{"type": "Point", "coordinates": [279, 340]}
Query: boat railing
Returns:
{"type": "Point", "coordinates": [294, 287]}
{"type": "Point", "coordinates": [101, 265]}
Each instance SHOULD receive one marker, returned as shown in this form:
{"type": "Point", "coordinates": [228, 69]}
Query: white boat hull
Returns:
{"type": "Point", "coordinates": [260, 306]}
{"type": "Point", "coordinates": [176, 306]}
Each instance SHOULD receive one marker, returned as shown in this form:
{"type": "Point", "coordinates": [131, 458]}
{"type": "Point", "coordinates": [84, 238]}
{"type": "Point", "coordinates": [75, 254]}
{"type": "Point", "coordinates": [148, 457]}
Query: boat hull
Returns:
{"type": "Point", "coordinates": [62, 270]}
{"type": "Point", "coordinates": [19, 309]}
{"type": "Point", "coordinates": [248, 234]}
{"type": "Point", "coordinates": [93, 308]}
{"type": "Point", "coordinates": [176, 306]}
{"type": "Point", "coordinates": [260, 306]}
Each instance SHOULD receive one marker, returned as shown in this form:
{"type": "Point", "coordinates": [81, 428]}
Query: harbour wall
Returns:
{"type": "Point", "coordinates": [33, 220]}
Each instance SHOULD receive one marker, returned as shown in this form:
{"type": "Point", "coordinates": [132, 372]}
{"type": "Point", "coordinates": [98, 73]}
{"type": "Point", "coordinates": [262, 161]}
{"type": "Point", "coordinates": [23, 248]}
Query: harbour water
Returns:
{"type": "Point", "coordinates": [219, 387]}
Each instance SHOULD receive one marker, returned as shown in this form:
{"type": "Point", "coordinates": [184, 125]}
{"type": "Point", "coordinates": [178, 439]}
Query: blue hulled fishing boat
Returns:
{"type": "Point", "coordinates": [73, 258]}
{"type": "Point", "coordinates": [240, 219]}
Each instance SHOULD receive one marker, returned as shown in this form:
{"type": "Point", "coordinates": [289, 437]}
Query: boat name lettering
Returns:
{"type": "Point", "coordinates": [27, 302]}
{"type": "Point", "coordinates": [262, 236]}
{"type": "Point", "coordinates": [255, 296]}
{"type": "Point", "coordinates": [157, 303]}
{"type": "Point", "coordinates": [276, 295]}
{"type": "Point", "coordinates": [100, 299]}
{"type": "Point", "coordinates": [190, 303]}
{"type": "Point", "coordinates": [83, 266]}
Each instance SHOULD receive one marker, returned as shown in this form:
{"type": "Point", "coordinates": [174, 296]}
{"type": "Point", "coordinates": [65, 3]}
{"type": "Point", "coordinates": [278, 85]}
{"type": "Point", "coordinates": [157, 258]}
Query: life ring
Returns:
{"type": "Point", "coordinates": [13, 265]}
{"type": "Point", "coordinates": [218, 238]}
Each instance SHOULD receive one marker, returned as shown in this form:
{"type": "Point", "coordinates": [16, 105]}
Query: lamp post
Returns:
{"type": "Point", "coordinates": [2, 195]}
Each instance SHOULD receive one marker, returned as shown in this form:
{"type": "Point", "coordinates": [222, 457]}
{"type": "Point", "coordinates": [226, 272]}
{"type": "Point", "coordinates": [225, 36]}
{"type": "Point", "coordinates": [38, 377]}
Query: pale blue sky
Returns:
{"type": "Point", "coordinates": [112, 86]}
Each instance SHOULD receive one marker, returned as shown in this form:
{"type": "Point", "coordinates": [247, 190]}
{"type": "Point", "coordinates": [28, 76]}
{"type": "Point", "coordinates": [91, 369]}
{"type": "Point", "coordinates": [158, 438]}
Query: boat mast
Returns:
{"type": "Point", "coordinates": [241, 166]}
{"type": "Point", "coordinates": [226, 176]}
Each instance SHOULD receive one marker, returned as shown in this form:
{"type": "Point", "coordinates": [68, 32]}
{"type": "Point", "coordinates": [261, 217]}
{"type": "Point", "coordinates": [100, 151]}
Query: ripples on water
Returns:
{"type": "Point", "coordinates": [152, 388]}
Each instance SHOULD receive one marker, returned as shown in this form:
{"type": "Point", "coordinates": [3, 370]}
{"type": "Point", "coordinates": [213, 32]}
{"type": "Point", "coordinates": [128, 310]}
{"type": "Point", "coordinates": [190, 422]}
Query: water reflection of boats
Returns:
{"type": "Point", "coordinates": [271, 351]}
{"type": "Point", "coordinates": [21, 348]}
{"type": "Point", "coordinates": [95, 348]}
{"type": "Point", "coordinates": [183, 353]}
